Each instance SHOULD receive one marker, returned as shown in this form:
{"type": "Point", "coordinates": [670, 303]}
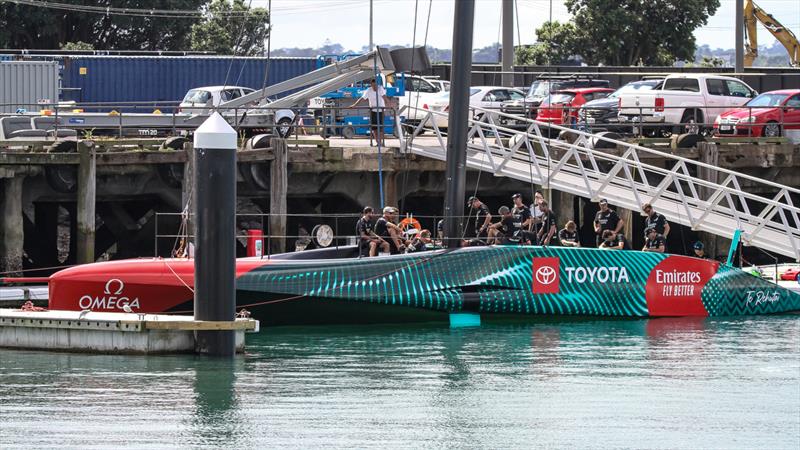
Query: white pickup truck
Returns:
{"type": "Point", "coordinates": [684, 103]}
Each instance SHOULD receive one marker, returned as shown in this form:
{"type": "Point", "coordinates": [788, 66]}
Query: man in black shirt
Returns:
{"type": "Point", "coordinates": [549, 224]}
{"type": "Point", "coordinates": [606, 219]}
{"type": "Point", "coordinates": [482, 218]}
{"type": "Point", "coordinates": [569, 235]}
{"type": "Point", "coordinates": [386, 229]}
{"type": "Point", "coordinates": [505, 231]}
{"type": "Point", "coordinates": [368, 240]}
{"type": "Point", "coordinates": [523, 220]}
{"type": "Point", "coordinates": [612, 241]}
{"type": "Point", "coordinates": [655, 220]}
{"type": "Point", "coordinates": [655, 241]}
{"type": "Point", "coordinates": [699, 251]}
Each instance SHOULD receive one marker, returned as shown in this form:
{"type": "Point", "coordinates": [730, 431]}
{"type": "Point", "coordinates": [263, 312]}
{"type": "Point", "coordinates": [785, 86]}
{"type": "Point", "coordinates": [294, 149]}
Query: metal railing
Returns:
{"type": "Point", "coordinates": [702, 196]}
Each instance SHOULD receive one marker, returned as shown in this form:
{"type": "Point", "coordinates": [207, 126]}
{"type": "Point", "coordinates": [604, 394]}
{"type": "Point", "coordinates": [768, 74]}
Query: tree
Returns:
{"type": "Point", "coordinates": [26, 26]}
{"type": "Point", "coordinates": [220, 34]}
{"type": "Point", "coordinates": [623, 32]}
{"type": "Point", "coordinates": [79, 45]}
{"type": "Point", "coordinates": [556, 43]}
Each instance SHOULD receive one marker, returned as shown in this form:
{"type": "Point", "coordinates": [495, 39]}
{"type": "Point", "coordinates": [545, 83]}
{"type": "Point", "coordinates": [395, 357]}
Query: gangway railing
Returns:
{"type": "Point", "coordinates": [702, 196]}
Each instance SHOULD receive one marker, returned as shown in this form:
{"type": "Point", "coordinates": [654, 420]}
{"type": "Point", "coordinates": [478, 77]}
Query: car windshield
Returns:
{"type": "Point", "coordinates": [767, 100]}
{"type": "Point", "coordinates": [197, 96]}
{"type": "Point", "coordinates": [636, 86]}
{"type": "Point", "coordinates": [539, 88]}
{"type": "Point", "coordinates": [558, 98]}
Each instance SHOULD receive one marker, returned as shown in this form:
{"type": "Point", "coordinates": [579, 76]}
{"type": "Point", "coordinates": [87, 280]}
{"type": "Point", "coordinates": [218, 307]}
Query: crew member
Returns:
{"type": "Point", "coordinates": [421, 242]}
{"type": "Point", "coordinates": [655, 241]}
{"type": "Point", "coordinates": [655, 220]}
{"type": "Point", "coordinates": [482, 219]}
{"type": "Point", "coordinates": [523, 220]}
{"type": "Point", "coordinates": [376, 96]}
{"type": "Point", "coordinates": [549, 224]}
{"type": "Point", "coordinates": [699, 250]}
{"type": "Point", "coordinates": [505, 231]}
{"type": "Point", "coordinates": [387, 230]}
{"type": "Point", "coordinates": [536, 213]}
{"type": "Point", "coordinates": [606, 219]}
{"type": "Point", "coordinates": [569, 235]}
{"type": "Point", "coordinates": [368, 240]}
{"type": "Point", "coordinates": [612, 241]}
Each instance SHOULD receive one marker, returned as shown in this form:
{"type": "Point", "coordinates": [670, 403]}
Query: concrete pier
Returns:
{"type": "Point", "coordinates": [95, 332]}
{"type": "Point", "coordinates": [11, 226]}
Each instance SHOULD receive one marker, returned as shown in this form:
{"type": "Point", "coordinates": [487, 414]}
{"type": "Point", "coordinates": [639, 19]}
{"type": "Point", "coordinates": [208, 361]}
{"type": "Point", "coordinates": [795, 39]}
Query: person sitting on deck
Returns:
{"type": "Point", "coordinates": [655, 242]}
{"type": "Point", "coordinates": [421, 242]}
{"type": "Point", "coordinates": [505, 231]}
{"type": "Point", "coordinates": [699, 251]}
{"type": "Point", "coordinates": [390, 232]}
{"type": "Point", "coordinates": [612, 241]}
{"type": "Point", "coordinates": [369, 242]}
{"type": "Point", "coordinates": [569, 235]}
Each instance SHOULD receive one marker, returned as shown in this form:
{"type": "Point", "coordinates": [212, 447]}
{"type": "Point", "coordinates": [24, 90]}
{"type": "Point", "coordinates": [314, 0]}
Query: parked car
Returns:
{"type": "Point", "coordinates": [767, 115]}
{"type": "Point", "coordinates": [419, 91]}
{"type": "Point", "coordinates": [540, 89]}
{"type": "Point", "coordinates": [561, 108]}
{"type": "Point", "coordinates": [602, 114]}
{"type": "Point", "coordinates": [203, 100]}
{"type": "Point", "coordinates": [486, 97]}
{"type": "Point", "coordinates": [685, 103]}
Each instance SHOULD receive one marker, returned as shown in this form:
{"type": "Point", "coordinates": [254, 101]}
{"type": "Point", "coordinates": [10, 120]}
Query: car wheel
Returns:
{"type": "Point", "coordinates": [348, 132]}
{"type": "Point", "coordinates": [771, 129]}
{"type": "Point", "coordinates": [691, 122]}
{"type": "Point", "coordinates": [285, 127]}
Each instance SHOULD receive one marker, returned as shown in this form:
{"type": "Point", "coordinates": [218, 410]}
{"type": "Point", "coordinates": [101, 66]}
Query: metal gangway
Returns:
{"type": "Point", "coordinates": [699, 195]}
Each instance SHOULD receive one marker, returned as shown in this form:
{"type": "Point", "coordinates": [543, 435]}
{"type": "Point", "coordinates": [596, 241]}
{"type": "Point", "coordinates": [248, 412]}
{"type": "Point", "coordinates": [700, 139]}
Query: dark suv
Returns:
{"type": "Point", "coordinates": [539, 90]}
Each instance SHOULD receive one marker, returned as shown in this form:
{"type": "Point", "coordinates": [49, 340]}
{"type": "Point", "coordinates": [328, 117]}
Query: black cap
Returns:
{"type": "Point", "coordinates": [471, 199]}
{"type": "Point", "coordinates": [516, 196]}
{"type": "Point", "coordinates": [648, 230]}
{"type": "Point", "coordinates": [698, 245]}
{"type": "Point", "coordinates": [603, 201]}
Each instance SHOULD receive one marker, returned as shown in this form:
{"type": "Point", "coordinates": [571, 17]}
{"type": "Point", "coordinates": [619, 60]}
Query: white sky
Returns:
{"type": "Point", "coordinates": [309, 23]}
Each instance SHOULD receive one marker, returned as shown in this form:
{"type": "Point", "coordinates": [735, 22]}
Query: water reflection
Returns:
{"type": "Point", "coordinates": [690, 383]}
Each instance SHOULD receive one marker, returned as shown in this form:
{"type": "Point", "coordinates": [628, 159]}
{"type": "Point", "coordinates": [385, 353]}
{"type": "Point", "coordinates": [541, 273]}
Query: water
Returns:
{"type": "Point", "coordinates": [667, 383]}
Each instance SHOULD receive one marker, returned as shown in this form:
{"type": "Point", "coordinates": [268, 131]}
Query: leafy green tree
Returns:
{"type": "Point", "coordinates": [79, 45]}
{"type": "Point", "coordinates": [625, 32]}
{"type": "Point", "coordinates": [33, 27]}
{"type": "Point", "coordinates": [223, 35]}
{"type": "Point", "coordinates": [556, 43]}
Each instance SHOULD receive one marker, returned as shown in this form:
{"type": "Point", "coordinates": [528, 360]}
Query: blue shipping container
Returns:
{"type": "Point", "coordinates": [167, 78]}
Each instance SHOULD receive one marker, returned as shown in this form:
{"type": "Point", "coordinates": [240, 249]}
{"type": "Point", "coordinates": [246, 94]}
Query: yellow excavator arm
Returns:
{"type": "Point", "coordinates": [753, 13]}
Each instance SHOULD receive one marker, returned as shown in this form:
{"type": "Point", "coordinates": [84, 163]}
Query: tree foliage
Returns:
{"type": "Point", "coordinates": [24, 26]}
{"type": "Point", "coordinates": [557, 42]}
{"type": "Point", "coordinates": [223, 35]}
{"type": "Point", "coordinates": [623, 32]}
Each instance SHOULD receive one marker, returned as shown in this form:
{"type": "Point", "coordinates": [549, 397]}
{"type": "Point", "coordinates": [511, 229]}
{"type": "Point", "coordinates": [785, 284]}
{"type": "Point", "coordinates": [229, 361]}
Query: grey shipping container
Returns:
{"type": "Point", "coordinates": [163, 79]}
{"type": "Point", "coordinates": [27, 84]}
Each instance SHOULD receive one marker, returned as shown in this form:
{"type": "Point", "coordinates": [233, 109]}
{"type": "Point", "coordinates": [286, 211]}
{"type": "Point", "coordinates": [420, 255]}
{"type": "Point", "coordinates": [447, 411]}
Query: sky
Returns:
{"type": "Point", "coordinates": [310, 23]}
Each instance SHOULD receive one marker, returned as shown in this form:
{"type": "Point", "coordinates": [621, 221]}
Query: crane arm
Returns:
{"type": "Point", "coordinates": [753, 12]}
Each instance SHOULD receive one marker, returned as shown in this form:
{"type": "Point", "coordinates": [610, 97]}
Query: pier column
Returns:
{"type": "Point", "coordinates": [215, 245]}
{"type": "Point", "coordinates": [277, 195]}
{"type": "Point", "coordinates": [11, 226]}
{"type": "Point", "coordinates": [564, 207]}
{"type": "Point", "coordinates": [709, 154]}
{"type": "Point", "coordinates": [187, 191]}
{"type": "Point", "coordinates": [390, 188]}
{"type": "Point", "coordinates": [87, 174]}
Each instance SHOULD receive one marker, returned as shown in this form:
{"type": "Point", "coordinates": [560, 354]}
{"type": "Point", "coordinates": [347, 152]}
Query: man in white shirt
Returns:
{"type": "Point", "coordinates": [376, 96]}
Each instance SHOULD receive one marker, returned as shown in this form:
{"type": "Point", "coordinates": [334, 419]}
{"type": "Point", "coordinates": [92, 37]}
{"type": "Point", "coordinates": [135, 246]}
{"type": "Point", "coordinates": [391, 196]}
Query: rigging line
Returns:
{"type": "Point", "coordinates": [178, 276]}
{"type": "Point", "coordinates": [237, 43]}
{"type": "Point", "coordinates": [269, 46]}
{"type": "Point", "coordinates": [405, 159]}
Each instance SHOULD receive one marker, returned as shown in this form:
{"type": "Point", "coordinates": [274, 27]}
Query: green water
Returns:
{"type": "Point", "coordinates": [663, 383]}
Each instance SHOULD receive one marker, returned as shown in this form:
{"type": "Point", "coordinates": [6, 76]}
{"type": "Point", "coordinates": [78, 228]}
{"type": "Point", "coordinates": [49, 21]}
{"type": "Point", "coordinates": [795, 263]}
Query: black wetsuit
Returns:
{"type": "Point", "coordinates": [382, 230]}
{"type": "Point", "coordinates": [608, 221]}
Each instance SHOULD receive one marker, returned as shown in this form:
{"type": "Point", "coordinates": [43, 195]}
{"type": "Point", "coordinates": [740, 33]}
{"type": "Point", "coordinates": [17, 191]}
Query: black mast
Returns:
{"type": "Point", "coordinates": [456, 171]}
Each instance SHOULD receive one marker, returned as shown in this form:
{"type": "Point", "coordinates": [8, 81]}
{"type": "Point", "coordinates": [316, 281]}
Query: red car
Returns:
{"type": "Point", "coordinates": [561, 107]}
{"type": "Point", "coordinates": [767, 115]}
{"type": "Point", "coordinates": [791, 274]}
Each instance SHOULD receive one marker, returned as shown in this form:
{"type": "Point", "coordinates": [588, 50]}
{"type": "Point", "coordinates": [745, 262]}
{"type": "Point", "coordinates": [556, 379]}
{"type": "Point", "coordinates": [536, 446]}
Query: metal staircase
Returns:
{"type": "Point", "coordinates": [597, 167]}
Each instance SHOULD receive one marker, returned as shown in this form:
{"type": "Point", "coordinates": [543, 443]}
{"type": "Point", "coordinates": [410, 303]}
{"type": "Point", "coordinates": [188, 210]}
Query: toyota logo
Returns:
{"type": "Point", "coordinates": [545, 275]}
